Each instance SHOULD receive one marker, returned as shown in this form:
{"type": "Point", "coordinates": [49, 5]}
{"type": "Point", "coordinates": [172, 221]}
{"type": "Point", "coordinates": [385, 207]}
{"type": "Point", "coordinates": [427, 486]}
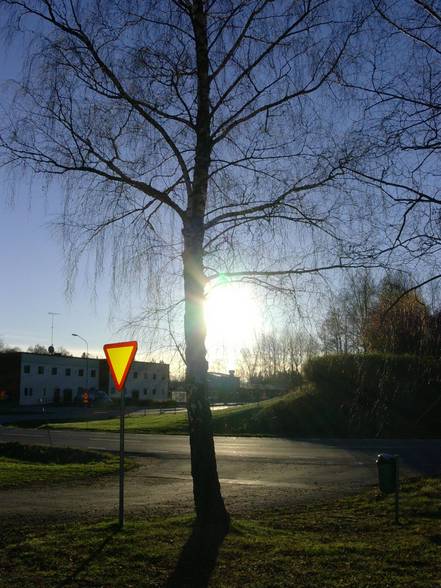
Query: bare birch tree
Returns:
{"type": "Point", "coordinates": [276, 353]}
{"type": "Point", "coordinates": [199, 133]}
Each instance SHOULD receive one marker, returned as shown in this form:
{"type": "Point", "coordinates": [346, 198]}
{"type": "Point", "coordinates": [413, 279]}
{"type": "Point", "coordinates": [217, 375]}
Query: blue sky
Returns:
{"type": "Point", "coordinates": [33, 283]}
{"type": "Point", "coordinates": [33, 274]}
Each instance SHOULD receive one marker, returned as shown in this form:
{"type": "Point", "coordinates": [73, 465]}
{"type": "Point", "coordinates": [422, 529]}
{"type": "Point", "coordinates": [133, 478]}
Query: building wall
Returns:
{"type": "Point", "coordinates": [225, 382]}
{"type": "Point", "coordinates": [104, 376]}
{"type": "Point", "coordinates": [55, 378]}
{"type": "Point", "coordinates": [145, 381]}
{"type": "Point", "coordinates": [222, 387]}
{"type": "Point", "coordinates": [10, 376]}
{"type": "Point", "coordinates": [32, 378]}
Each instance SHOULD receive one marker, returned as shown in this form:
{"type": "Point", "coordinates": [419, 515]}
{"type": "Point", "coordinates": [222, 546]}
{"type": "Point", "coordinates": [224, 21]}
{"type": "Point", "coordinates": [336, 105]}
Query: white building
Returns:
{"type": "Point", "coordinates": [145, 381]}
{"type": "Point", "coordinates": [33, 378]}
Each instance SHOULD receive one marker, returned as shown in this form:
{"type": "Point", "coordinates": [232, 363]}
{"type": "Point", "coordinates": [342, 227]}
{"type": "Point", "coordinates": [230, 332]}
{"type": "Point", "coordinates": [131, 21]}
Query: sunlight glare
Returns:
{"type": "Point", "coordinates": [233, 318]}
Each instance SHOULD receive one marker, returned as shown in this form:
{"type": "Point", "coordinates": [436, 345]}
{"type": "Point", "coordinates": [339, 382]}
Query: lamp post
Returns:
{"type": "Point", "coordinates": [87, 358]}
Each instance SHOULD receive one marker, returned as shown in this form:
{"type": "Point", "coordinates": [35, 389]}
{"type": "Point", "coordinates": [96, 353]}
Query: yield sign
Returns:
{"type": "Point", "coordinates": [120, 357]}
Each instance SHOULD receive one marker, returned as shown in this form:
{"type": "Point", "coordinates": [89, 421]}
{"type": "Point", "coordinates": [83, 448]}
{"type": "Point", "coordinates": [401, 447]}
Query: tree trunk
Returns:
{"type": "Point", "coordinates": [209, 504]}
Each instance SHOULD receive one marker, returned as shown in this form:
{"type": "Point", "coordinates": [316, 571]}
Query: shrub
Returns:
{"type": "Point", "coordinates": [381, 394]}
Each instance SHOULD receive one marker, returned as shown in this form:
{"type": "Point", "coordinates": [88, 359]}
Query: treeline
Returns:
{"type": "Point", "coordinates": [276, 358]}
{"type": "Point", "coordinates": [385, 316]}
{"type": "Point", "coordinates": [366, 315]}
{"type": "Point", "coordinates": [38, 348]}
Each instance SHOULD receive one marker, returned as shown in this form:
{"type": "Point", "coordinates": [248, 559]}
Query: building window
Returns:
{"type": "Point", "coordinates": [25, 391]}
{"type": "Point", "coordinates": [135, 375]}
{"type": "Point", "coordinates": [145, 391]}
{"type": "Point", "coordinates": [41, 370]}
{"type": "Point", "coordinates": [154, 376]}
{"type": "Point", "coordinates": [27, 369]}
{"type": "Point", "coordinates": [154, 391]}
{"type": "Point", "coordinates": [54, 371]}
{"type": "Point", "coordinates": [81, 372]}
{"type": "Point", "coordinates": [93, 373]}
{"type": "Point", "coordinates": [67, 371]}
{"type": "Point", "coordinates": [145, 375]}
{"type": "Point", "coordinates": [30, 391]}
{"type": "Point", "coordinates": [163, 378]}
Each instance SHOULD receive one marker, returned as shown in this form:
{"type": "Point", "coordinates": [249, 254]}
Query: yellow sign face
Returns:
{"type": "Point", "coordinates": [120, 357]}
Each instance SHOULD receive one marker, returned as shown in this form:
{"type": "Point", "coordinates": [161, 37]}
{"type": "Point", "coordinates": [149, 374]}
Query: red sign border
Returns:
{"type": "Point", "coordinates": [134, 345]}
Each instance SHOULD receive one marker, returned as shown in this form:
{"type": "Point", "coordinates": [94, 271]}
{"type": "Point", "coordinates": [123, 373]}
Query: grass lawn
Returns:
{"type": "Point", "coordinates": [350, 543]}
{"type": "Point", "coordinates": [21, 465]}
{"type": "Point", "coordinates": [302, 413]}
{"type": "Point", "coordinates": [305, 412]}
{"type": "Point", "coordinates": [228, 421]}
{"type": "Point", "coordinates": [155, 423]}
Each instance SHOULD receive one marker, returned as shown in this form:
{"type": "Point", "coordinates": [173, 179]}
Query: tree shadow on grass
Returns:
{"type": "Point", "coordinates": [95, 553]}
{"type": "Point", "coordinates": [198, 558]}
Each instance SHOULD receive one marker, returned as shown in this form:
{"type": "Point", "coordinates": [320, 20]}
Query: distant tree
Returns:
{"type": "Point", "coordinates": [359, 296]}
{"type": "Point", "coordinates": [300, 346]}
{"type": "Point", "coordinates": [334, 333]}
{"type": "Point", "coordinates": [41, 349]}
{"type": "Point", "coordinates": [277, 356]}
{"type": "Point", "coordinates": [45, 350]}
{"type": "Point", "coordinates": [398, 323]}
{"type": "Point", "coordinates": [433, 340]}
{"type": "Point", "coordinates": [248, 363]}
{"type": "Point", "coordinates": [62, 351]}
{"type": "Point", "coordinates": [6, 349]}
{"type": "Point", "coordinates": [342, 328]}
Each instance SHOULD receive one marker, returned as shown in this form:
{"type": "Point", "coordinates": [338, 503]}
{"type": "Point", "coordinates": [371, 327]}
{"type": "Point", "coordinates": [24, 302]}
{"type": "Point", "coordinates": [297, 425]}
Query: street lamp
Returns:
{"type": "Point", "coordinates": [87, 358]}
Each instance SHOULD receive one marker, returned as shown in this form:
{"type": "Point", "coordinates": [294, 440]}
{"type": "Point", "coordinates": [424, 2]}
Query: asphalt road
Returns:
{"type": "Point", "coordinates": [255, 473]}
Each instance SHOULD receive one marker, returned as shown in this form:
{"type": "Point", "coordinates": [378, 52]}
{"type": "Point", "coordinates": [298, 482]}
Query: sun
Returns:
{"type": "Point", "coordinates": [233, 316]}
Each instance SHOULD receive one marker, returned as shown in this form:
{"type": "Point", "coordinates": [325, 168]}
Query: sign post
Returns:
{"type": "Point", "coordinates": [121, 460]}
{"type": "Point", "coordinates": [120, 357]}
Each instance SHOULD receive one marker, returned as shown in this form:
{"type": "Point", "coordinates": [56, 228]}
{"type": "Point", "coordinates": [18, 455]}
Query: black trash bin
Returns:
{"type": "Point", "coordinates": [387, 466]}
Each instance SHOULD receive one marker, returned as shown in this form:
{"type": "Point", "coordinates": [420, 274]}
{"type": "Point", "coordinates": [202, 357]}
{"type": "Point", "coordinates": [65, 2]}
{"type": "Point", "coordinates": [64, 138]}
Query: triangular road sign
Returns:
{"type": "Point", "coordinates": [120, 357]}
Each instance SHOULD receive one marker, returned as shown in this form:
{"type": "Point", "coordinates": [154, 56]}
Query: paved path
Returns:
{"type": "Point", "coordinates": [255, 473]}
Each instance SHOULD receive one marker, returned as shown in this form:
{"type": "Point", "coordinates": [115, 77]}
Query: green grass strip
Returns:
{"type": "Point", "coordinates": [22, 465]}
{"type": "Point", "coordinates": [228, 421]}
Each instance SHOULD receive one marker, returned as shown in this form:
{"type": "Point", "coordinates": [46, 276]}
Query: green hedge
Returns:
{"type": "Point", "coordinates": [381, 394]}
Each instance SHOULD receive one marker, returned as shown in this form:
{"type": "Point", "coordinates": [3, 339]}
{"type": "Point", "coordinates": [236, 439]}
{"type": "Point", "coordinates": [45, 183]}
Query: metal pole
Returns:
{"type": "Point", "coordinates": [87, 367]}
{"type": "Point", "coordinates": [52, 326]}
{"type": "Point", "coordinates": [121, 462]}
{"type": "Point", "coordinates": [397, 490]}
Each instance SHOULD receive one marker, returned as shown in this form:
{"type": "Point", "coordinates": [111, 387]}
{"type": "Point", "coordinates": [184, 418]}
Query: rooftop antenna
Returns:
{"type": "Point", "coordinates": [51, 348]}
